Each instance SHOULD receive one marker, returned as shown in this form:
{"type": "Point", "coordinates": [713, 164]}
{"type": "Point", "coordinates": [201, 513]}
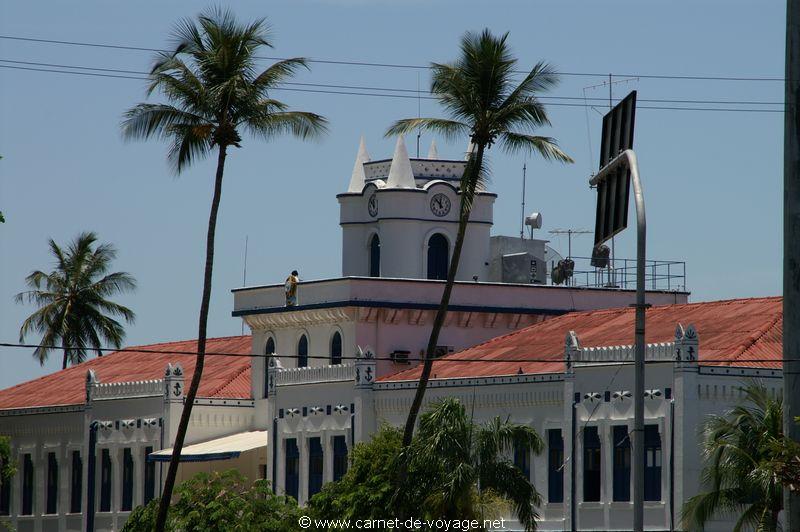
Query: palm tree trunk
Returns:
{"type": "Point", "coordinates": [188, 402]}
{"type": "Point", "coordinates": [441, 313]}
{"type": "Point", "coordinates": [66, 358]}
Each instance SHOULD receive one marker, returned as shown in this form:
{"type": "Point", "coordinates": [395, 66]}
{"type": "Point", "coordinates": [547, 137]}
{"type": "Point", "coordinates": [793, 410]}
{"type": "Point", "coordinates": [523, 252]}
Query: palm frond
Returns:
{"type": "Point", "coordinates": [298, 123]}
{"type": "Point", "coordinates": [541, 78]}
{"type": "Point", "coordinates": [278, 72]}
{"type": "Point", "coordinates": [449, 129]}
{"type": "Point", "coordinates": [547, 147]}
{"type": "Point", "coordinates": [190, 142]}
{"type": "Point", "coordinates": [146, 120]}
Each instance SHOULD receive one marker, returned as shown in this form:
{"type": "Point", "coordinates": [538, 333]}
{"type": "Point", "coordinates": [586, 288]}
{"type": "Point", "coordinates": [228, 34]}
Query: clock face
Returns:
{"type": "Point", "coordinates": [372, 205]}
{"type": "Point", "coordinates": [440, 204]}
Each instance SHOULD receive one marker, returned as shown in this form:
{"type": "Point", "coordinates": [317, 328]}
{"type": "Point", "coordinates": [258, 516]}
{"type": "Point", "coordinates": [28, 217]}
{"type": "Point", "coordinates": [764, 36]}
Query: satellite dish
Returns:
{"type": "Point", "coordinates": [551, 255]}
{"type": "Point", "coordinates": [534, 220]}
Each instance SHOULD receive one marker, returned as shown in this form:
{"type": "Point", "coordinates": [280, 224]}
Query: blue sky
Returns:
{"type": "Point", "coordinates": [712, 180]}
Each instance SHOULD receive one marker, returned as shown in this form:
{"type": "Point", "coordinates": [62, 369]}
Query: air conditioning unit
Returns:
{"type": "Point", "coordinates": [400, 357]}
{"type": "Point", "coordinates": [442, 350]}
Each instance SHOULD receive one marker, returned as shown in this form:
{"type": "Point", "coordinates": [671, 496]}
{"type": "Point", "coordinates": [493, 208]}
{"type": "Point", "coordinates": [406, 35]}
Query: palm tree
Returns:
{"type": "Point", "coordinates": [739, 448]}
{"type": "Point", "coordinates": [479, 93]}
{"type": "Point", "coordinates": [215, 92]}
{"type": "Point", "coordinates": [458, 466]}
{"type": "Point", "coordinates": [74, 311]}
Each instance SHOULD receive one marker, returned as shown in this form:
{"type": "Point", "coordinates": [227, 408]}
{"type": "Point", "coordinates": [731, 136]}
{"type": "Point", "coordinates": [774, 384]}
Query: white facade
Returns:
{"type": "Point", "coordinates": [587, 396]}
{"type": "Point", "coordinates": [385, 310]}
{"type": "Point", "coordinates": [125, 417]}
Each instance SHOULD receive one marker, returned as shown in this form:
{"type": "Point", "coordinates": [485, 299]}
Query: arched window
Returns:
{"type": "Point", "coordinates": [438, 251]}
{"type": "Point", "coordinates": [268, 350]}
{"type": "Point", "coordinates": [302, 352]}
{"type": "Point", "coordinates": [336, 348]}
{"type": "Point", "coordinates": [375, 256]}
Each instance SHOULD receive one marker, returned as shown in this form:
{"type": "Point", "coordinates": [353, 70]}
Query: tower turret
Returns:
{"type": "Point", "coordinates": [399, 218]}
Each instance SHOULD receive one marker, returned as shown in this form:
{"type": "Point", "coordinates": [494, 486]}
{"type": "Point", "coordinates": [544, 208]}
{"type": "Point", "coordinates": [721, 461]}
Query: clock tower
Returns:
{"type": "Point", "coordinates": [399, 218]}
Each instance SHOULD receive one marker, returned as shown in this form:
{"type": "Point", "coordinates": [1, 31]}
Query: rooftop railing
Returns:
{"type": "Point", "coordinates": [669, 275]}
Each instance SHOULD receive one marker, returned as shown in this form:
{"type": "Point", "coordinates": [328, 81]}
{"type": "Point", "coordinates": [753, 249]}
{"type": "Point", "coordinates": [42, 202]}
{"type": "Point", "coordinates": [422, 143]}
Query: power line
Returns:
{"type": "Point", "coordinates": [402, 96]}
{"type": "Point", "coordinates": [400, 65]}
{"type": "Point", "coordinates": [394, 89]}
{"type": "Point", "coordinates": [146, 350]}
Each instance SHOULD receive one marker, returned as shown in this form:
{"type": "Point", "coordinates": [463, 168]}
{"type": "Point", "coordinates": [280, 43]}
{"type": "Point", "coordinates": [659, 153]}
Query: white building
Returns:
{"type": "Point", "coordinates": [90, 440]}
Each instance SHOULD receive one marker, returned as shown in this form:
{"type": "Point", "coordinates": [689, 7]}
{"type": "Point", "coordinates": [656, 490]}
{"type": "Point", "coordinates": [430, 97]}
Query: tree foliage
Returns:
{"type": "Point", "coordinates": [367, 490]}
{"type": "Point", "coordinates": [456, 469]}
{"type": "Point", "coordinates": [741, 448]}
{"type": "Point", "coordinates": [221, 501]}
{"type": "Point", "coordinates": [215, 92]}
{"type": "Point", "coordinates": [75, 311]}
{"type": "Point", "coordinates": [484, 101]}
{"type": "Point", "coordinates": [7, 465]}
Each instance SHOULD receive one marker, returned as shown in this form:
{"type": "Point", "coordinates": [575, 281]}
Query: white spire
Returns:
{"type": "Point", "coordinates": [433, 153]}
{"type": "Point", "coordinates": [400, 173]}
{"type": "Point", "coordinates": [358, 177]}
{"type": "Point", "coordinates": [470, 149]}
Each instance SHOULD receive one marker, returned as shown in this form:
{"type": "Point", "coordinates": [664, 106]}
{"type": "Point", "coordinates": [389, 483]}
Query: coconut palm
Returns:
{"type": "Point", "coordinates": [479, 93]}
{"type": "Point", "coordinates": [740, 452]}
{"type": "Point", "coordinates": [75, 313]}
{"type": "Point", "coordinates": [458, 468]}
{"type": "Point", "coordinates": [215, 91]}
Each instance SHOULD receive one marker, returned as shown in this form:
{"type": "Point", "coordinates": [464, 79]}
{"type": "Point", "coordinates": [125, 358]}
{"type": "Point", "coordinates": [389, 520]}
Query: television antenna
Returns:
{"type": "Point", "coordinates": [569, 233]}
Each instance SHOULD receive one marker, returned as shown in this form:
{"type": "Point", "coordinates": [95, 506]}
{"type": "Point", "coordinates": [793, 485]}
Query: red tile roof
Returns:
{"type": "Point", "coordinates": [735, 331]}
{"type": "Point", "coordinates": [224, 377]}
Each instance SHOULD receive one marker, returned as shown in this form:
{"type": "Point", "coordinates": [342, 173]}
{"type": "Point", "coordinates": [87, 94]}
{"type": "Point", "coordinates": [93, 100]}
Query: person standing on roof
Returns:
{"type": "Point", "coordinates": [291, 289]}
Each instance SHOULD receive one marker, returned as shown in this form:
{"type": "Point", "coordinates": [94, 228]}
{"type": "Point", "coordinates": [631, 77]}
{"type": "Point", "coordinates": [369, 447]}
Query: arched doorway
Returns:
{"type": "Point", "coordinates": [438, 257]}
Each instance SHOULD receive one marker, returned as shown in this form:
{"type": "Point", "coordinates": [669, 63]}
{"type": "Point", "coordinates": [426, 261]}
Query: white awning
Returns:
{"type": "Point", "coordinates": [223, 448]}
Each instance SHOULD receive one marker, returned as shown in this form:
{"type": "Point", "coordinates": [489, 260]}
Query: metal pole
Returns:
{"type": "Point", "coordinates": [90, 477]}
{"type": "Point", "coordinates": [628, 157]}
{"type": "Point", "coordinates": [522, 218]}
{"type": "Point", "coordinates": [791, 249]}
{"type": "Point", "coordinates": [638, 376]}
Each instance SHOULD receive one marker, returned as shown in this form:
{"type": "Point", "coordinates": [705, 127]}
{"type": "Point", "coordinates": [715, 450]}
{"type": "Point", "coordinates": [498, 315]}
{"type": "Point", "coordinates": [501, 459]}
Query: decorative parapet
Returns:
{"type": "Point", "coordinates": [682, 351]}
{"type": "Point", "coordinates": [127, 390]}
{"type": "Point", "coordinates": [315, 374]}
{"type": "Point", "coordinates": [661, 351]}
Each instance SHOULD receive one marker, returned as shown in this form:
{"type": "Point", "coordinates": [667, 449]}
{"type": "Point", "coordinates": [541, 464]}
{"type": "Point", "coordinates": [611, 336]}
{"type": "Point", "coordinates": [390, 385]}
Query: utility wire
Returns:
{"type": "Point", "coordinates": [415, 91]}
{"type": "Point", "coordinates": [403, 66]}
{"type": "Point", "coordinates": [146, 350]}
{"type": "Point", "coordinates": [403, 96]}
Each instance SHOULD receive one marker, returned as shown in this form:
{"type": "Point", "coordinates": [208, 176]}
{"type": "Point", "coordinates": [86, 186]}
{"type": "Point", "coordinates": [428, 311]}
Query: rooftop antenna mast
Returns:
{"type": "Point", "coordinates": [244, 271]}
{"type": "Point", "coordinates": [419, 113]}
{"type": "Point", "coordinates": [569, 233]}
{"type": "Point", "coordinates": [522, 215]}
